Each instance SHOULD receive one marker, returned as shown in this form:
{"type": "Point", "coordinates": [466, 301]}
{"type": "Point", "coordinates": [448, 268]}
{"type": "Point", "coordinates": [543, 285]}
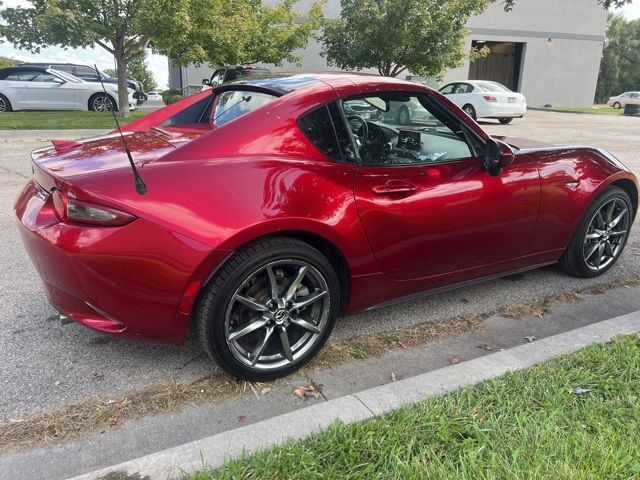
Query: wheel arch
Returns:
{"type": "Point", "coordinates": [632, 190]}
{"type": "Point", "coordinates": [325, 246]}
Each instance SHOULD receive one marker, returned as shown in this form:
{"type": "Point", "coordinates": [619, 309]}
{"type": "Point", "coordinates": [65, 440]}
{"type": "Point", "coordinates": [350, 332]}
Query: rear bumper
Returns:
{"type": "Point", "coordinates": [137, 281]}
{"type": "Point", "coordinates": [502, 111]}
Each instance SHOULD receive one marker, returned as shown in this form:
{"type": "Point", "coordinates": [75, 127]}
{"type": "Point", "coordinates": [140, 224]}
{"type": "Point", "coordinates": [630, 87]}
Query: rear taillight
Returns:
{"type": "Point", "coordinates": [490, 98]}
{"type": "Point", "coordinates": [71, 210]}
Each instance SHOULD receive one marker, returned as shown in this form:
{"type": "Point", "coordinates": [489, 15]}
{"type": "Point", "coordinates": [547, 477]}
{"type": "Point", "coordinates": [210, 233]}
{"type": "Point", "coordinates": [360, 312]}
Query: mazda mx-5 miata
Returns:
{"type": "Point", "coordinates": [274, 206]}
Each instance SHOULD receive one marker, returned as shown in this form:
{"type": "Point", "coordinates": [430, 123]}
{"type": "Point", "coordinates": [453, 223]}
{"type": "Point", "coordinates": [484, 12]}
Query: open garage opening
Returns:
{"type": "Point", "coordinates": [503, 64]}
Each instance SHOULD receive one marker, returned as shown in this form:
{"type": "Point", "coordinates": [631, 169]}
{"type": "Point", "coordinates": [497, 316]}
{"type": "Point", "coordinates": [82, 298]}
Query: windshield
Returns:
{"type": "Point", "coordinates": [492, 87]}
{"type": "Point", "coordinates": [65, 76]}
{"type": "Point", "coordinates": [229, 105]}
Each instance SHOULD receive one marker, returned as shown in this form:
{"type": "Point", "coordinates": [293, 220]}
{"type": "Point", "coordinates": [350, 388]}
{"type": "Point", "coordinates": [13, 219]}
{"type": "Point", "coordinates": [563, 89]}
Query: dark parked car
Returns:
{"type": "Point", "coordinates": [229, 73]}
{"type": "Point", "coordinates": [89, 74]}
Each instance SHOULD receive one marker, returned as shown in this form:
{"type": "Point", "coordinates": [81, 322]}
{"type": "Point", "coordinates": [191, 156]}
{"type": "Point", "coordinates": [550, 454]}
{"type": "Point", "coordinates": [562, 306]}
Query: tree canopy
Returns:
{"type": "Point", "coordinates": [219, 32]}
{"type": "Point", "coordinates": [423, 36]}
{"type": "Point", "coordinates": [620, 66]}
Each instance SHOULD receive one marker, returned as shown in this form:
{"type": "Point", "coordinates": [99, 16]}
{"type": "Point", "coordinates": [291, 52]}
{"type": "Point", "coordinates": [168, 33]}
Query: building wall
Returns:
{"type": "Point", "coordinates": [562, 54]}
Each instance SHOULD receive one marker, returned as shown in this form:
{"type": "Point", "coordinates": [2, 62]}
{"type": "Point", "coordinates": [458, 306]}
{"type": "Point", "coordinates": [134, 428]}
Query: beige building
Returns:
{"type": "Point", "coordinates": [550, 50]}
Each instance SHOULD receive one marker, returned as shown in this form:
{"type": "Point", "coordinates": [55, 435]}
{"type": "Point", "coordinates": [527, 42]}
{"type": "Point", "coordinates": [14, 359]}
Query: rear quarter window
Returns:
{"type": "Point", "coordinates": [326, 130]}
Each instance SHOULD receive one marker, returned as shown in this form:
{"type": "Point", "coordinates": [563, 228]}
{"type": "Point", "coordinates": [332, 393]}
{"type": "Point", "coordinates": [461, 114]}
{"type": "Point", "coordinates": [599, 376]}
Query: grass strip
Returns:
{"type": "Point", "coordinates": [62, 120]}
{"type": "Point", "coordinates": [530, 424]}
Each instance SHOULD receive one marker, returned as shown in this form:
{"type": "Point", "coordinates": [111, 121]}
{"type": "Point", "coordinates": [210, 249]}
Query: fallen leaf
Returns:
{"type": "Point", "coordinates": [455, 361]}
{"type": "Point", "coordinates": [530, 338]}
{"type": "Point", "coordinates": [485, 346]}
{"type": "Point", "coordinates": [580, 391]}
{"type": "Point", "coordinates": [242, 418]}
{"type": "Point", "coordinates": [113, 422]}
{"type": "Point", "coordinates": [393, 376]}
{"type": "Point", "coordinates": [305, 392]}
{"type": "Point", "coordinates": [265, 390]}
{"type": "Point", "coordinates": [118, 405]}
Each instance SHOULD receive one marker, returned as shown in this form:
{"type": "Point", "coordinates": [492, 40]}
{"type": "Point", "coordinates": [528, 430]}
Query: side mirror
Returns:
{"type": "Point", "coordinates": [498, 155]}
{"type": "Point", "coordinates": [58, 80]}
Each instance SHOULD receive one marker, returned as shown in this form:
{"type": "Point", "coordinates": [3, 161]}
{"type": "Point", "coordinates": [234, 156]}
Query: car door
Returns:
{"type": "Point", "coordinates": [426, 202]}
{"type": "Point", "coordinates": [47, 92]}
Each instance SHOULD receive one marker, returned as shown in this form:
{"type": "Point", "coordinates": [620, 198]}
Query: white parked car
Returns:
{"type": "Point", "coordinates": [485, 99]}
{"type": "Point", "coordinates": [621, 100]}
{"type": "Point", "coordinates": [38, 88]}
{"type": "Point", "coordinates": [154, 97]}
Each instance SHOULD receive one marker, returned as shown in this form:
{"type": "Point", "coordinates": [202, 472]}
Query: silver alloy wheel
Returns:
{"type": "Point", "coordinates": [606, 235]}
{"type": "Point", "coordinates": [277, 314]}
{"type": "Point", "coordinates": [469, 110]}
{"type": "Point", "coordinates": [102, 103]}
{"type": "Point", "coordinates": [3, 105]}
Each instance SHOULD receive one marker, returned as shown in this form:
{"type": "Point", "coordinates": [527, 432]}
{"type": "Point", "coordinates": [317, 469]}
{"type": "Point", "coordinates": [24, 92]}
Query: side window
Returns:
{"type": "Point", "coordinates": [448, 90]}
{"type": "Point", "coordinates": [318, 126]}
{"type": "Point", "coordinates": [407, 129]}
{"type": "Point", "coordinates": [465, 88]}
{"type": "Point", "coordinates": [26, 75]}
{"type": "Point", "coordinates": [44, 78]}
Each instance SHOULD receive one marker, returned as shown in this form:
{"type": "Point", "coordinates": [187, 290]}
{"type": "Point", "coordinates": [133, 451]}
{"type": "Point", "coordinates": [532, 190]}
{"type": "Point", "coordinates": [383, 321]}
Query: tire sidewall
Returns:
{"type": "Point", "coordinates": [7, 104]}
{"type": "Point", "coordinates": [471, 112]}
{"type": "Point", "coordinates": [99, 95]}
{"type": "Point", "coordinates": [576, 255]}
{"type": "Point", "coordinates": [216, 338]}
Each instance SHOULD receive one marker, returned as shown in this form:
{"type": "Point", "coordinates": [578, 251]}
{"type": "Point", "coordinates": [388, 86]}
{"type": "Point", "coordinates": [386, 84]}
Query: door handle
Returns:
{"type": "Point", "coordinates": [395, 187]}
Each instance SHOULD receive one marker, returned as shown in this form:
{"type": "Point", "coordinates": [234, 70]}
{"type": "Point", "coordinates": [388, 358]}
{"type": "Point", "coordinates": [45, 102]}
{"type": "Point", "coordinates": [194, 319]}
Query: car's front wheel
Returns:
{"type": "Point", "coordinates": [505, 120]}
{"type": "Point", "coordinates": [5, 104]}
{"type": "Point", "coordinates": [617, 106]}
{"type": "Point", "coordinates": [101, 102]}
{"type": "Point", "coordinates": [469, 110]}
{"type": "Point", "coordinates": [269, 309]}
{"type": "Point", "coordinates": [601, 235]}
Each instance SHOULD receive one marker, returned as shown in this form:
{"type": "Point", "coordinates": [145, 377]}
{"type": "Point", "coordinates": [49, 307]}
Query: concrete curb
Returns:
{"type": "Point", "coordinates": [215, 450]}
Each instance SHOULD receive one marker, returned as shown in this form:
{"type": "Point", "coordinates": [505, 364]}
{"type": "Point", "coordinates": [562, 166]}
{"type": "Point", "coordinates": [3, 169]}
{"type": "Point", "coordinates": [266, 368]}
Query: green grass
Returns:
{"type": "Point", "coordinates": [599, 108]}
{"type": "Point", "coordinates": [61, 120]}
{"type": "Point", "coordinates": [525, 425]}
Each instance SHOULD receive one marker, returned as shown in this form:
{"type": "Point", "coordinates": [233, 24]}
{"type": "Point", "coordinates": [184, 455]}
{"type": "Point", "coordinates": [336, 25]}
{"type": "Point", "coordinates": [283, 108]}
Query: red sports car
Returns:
{"type": "Point", "coordinates": [276, 205]}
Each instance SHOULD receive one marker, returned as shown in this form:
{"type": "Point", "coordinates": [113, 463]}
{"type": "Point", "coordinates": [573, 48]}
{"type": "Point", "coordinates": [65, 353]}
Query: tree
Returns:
{"type": "Point", "coordinates": [426, 37]}
{"type": "Point", "coordinates": [138, 70]}
{"type": "Point", "coordinates": [620, 66]}
{"type": "Point", "coordinates": [240, 31]}
{"type": "Point", "coordinates": [7, 62]}
{"type": "Point", "coordinates": [423, 36]}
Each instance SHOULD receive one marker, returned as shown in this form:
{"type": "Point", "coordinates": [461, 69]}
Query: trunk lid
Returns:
{"type": "Point", "coordinates": [68, 160]}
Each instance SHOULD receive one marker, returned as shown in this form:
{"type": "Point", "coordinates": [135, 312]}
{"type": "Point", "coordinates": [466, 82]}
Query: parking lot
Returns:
{"type": "Point", "coordinates": [44, 363]}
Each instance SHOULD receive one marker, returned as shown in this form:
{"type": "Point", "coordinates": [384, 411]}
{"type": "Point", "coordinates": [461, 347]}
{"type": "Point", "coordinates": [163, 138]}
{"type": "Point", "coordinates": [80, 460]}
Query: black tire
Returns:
{"type": "Point", "coordinates": [505, 121]}
{"type": "Point", "coordinates": [572, 261]}
{"type": "Point", "coordinates": [219, 295]}
{"type": "Point", "coordinates": [5, 104]}
{"type": "Point", "coordinates": [469, 110]}
{"type": "Point", "coordinates": [404, 117]}
{"type": "Point", "coordinates": [102, 102]}
{"type": "Point", "coordinates": [617, 106]}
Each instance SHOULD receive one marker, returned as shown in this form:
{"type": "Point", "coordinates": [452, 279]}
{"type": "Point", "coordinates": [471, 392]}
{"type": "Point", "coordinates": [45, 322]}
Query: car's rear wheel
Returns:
{"type": "Point", "coordinates": [5, 104]}
{"type": "Point", "coordinates": [469, 110]}
{"type": "Point", "coordinates": [617, 106]}
{"type": "Point", "coordinates": [505, 120]}
{"type": "Point", "coordinates": [101, 102]}
{"type": "Point", "coordinates": [269, 309]}
{"type": "Point", "coordinates": [601, 235]}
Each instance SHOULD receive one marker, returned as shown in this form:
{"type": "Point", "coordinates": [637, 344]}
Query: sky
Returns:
{"type": "Point", "coordinates": [156, 63]}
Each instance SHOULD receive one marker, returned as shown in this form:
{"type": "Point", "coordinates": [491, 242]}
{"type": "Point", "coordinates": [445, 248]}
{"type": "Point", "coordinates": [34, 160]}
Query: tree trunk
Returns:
{"type": "Point", "coordinates": [123, 92]}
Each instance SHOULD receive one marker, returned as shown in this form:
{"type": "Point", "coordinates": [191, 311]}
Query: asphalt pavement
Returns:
{"type": "Point", "coordinates": [45, 364]}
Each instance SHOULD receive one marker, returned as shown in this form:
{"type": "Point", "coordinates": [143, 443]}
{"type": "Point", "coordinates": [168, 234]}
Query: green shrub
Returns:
{"type": "Point", "coordinates": [170, 96]}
